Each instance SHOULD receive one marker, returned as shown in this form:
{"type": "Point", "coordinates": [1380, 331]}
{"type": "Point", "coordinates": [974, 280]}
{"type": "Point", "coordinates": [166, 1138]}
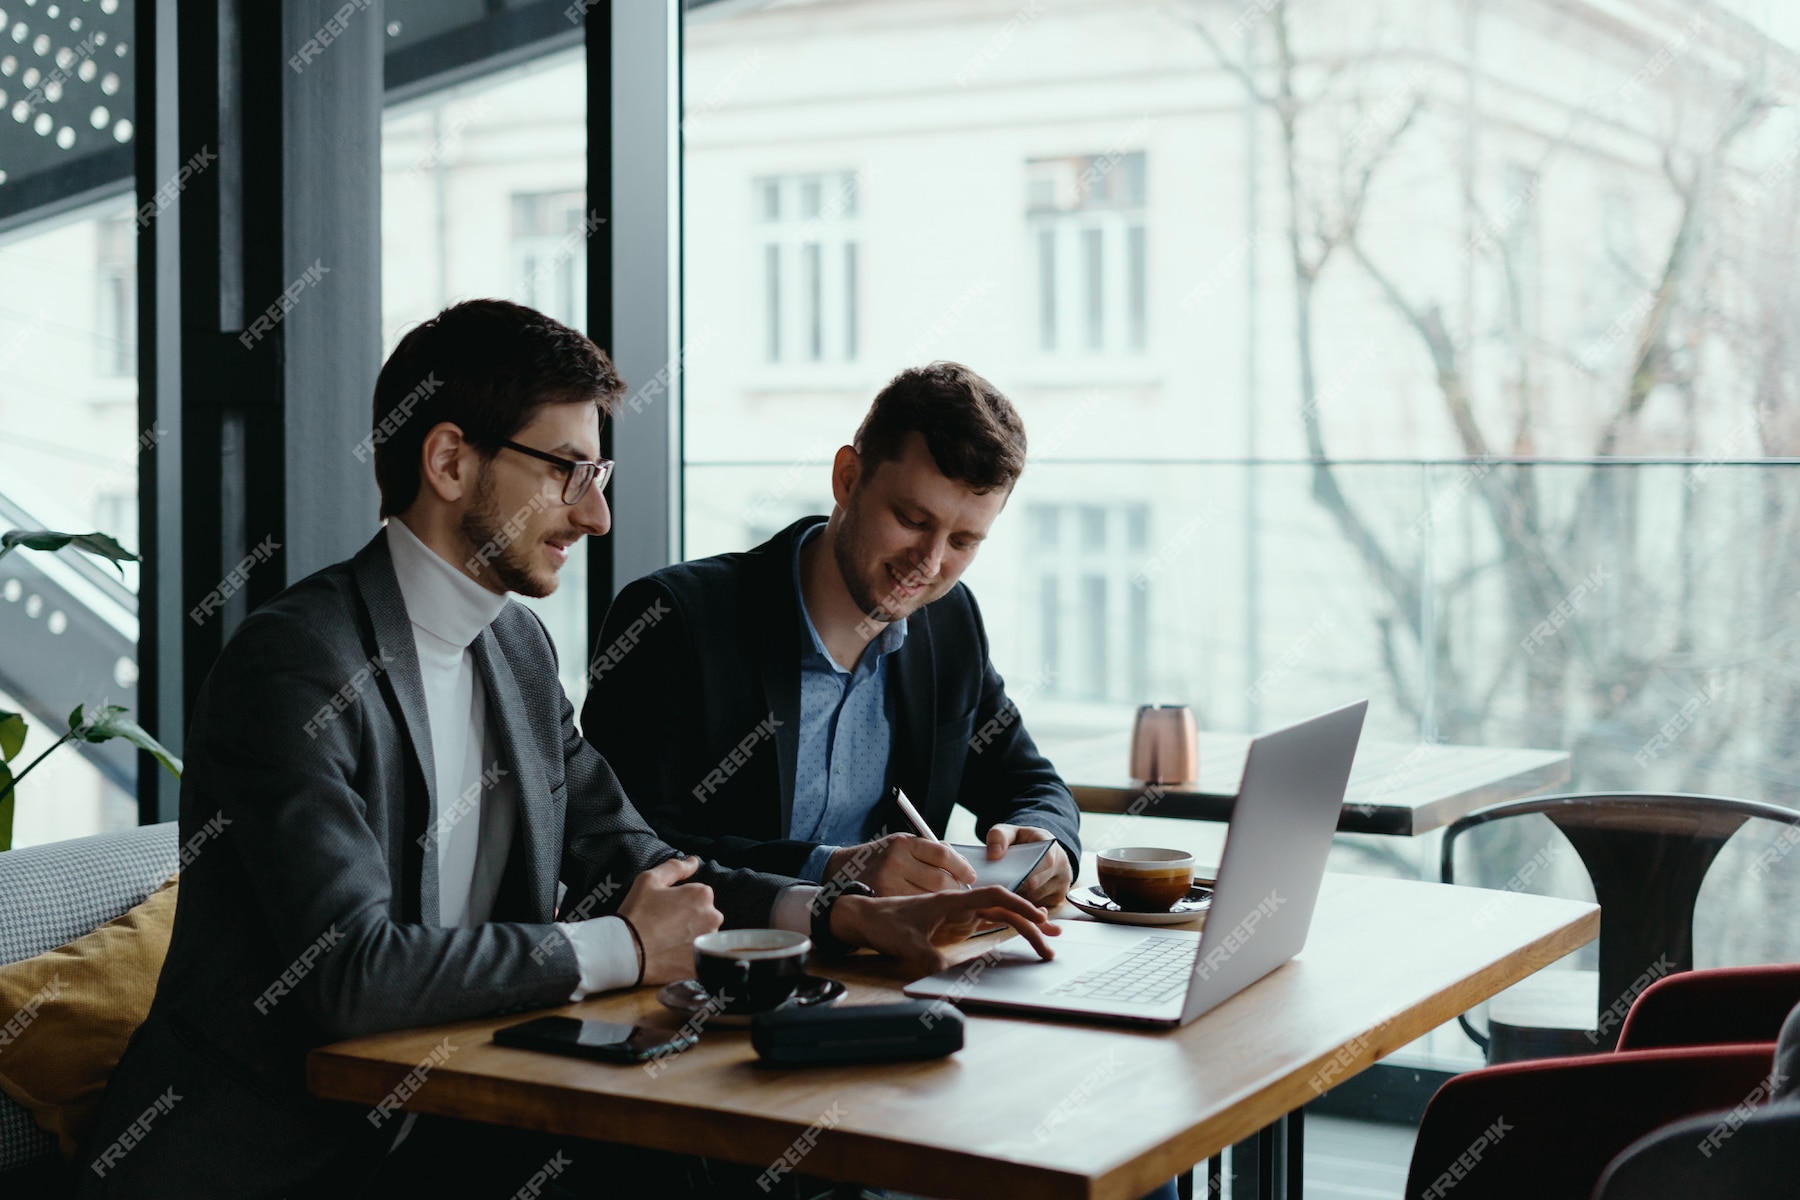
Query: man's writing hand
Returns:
{"type": "Point", "coordinates": [902, 864]}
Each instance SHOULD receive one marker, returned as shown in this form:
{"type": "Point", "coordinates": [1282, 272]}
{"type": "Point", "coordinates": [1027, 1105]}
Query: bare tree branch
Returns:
{"type": "Point", "coordinates": [1241, 70]}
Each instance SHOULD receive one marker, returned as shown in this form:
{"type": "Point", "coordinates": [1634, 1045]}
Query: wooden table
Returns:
{"type": "Point", "coordinates": [1048, 1108]}
{"type": "Point", "coordinates": [1395, 787]}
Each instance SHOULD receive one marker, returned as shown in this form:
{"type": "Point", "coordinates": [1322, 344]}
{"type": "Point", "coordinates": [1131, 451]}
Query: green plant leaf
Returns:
{"type": "Point", "coordinates": [113, 721]}
{"type": "Point", "coordinates": [35, 539]}
{"type": "Point", "coordinates": [12, 734]}
{"type": "Point", "coordinates": [102, 546]}
{"type": "Point", "coordinates": [97, 544]}
{"type": "Point", "coordinates": [6, 807]}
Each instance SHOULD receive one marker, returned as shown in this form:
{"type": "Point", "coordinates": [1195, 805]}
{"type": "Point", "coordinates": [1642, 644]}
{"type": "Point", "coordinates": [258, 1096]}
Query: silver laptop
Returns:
{"type": "Point", "coordinates": [1262, 905]}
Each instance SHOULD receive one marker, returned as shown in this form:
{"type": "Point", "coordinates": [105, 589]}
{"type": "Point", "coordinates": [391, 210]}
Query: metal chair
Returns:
{"type": "Point", "coordinates": [1647, 855]}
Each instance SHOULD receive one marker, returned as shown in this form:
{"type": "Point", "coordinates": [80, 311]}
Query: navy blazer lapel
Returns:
{"type": "Point", "coordinates": [913, 671]}
{"type": "Point", "coordinates": [380, 587]}
{"type": "Point", "coordinates": [772, 622]}
{"type": "Point", "coordinates": [505, 710]}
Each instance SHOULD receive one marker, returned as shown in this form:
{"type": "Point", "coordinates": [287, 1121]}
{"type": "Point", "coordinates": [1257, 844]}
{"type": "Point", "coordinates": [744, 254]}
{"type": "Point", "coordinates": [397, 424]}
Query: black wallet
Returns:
{"type": "Point", "coordinates": [857, 1033]}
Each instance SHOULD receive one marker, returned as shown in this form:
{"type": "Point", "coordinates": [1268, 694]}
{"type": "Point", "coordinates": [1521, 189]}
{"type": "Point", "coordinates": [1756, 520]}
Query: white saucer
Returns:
{"type": "Point", "coordinates": [687, 997]}
{"type": "Point", "coordinates": [1094, 902]}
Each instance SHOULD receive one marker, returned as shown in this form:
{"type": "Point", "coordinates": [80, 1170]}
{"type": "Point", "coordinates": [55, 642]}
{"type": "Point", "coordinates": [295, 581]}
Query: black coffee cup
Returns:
{"type": "Point", "coordinates": [751, 970]}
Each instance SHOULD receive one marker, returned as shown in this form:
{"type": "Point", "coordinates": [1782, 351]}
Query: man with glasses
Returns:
{"type": "Point", "coordinates": [401, 789]}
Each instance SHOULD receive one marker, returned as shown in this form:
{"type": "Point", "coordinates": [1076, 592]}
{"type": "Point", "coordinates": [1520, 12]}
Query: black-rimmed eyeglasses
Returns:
{"type": "Point", "coordinates": [582, 475]}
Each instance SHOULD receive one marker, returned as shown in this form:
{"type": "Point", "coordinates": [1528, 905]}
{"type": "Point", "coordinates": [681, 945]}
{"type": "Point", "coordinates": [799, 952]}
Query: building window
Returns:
{"type": "Point", "coordinates": [1092, 621]}
{"type": "Point", "coordinates": [550, 254]}
{"type": "Point", "coordinates": [807, 225]}
{"type": "Point", "coordinates": [1086, 217]}
{"type": "Point", "coordinates": [116, 322]}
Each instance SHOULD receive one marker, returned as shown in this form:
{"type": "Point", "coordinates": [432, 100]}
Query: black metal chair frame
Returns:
{"type": "Point", "coordinates": [1647, 854]}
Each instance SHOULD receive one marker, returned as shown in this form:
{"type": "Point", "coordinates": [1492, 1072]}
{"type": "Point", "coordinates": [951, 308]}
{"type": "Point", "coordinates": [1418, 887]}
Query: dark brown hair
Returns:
{"type": "Point", "coordinates": [973, 432]}
{"type": "Point", "coordinates": [487, 367]}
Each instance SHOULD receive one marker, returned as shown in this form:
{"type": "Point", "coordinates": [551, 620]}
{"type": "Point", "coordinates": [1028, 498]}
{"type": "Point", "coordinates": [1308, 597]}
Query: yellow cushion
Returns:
{"type": "Point", "coordinates": [69, 1013]}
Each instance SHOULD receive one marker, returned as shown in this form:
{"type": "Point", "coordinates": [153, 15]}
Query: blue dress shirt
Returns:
{"type": "Point", "coordinates": [846, 733]}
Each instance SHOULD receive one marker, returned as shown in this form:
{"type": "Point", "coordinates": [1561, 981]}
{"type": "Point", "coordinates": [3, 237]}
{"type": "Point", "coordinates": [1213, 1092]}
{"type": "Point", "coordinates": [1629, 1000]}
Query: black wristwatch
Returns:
{"type": "Point", "coordinates": [827, 943]}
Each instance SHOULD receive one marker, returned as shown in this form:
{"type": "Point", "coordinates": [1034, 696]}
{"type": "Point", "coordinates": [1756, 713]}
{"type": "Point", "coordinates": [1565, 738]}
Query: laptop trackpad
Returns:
{"type": "Point", "coordinates": [1014, 968]}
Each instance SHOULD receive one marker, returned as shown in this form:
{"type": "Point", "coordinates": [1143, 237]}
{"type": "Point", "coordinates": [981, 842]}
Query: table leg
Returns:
{"type": "Point", "coordinates": [1270, 1165]}
{"type": "Point", "coordinates": [1187, 1186]}
{"type": "Point", "coordinates": [1646, 883]}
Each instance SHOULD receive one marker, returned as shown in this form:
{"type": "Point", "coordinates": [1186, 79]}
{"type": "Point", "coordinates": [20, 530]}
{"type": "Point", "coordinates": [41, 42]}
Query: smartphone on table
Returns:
{"type": "Point", "coordinates": [603, 1041]}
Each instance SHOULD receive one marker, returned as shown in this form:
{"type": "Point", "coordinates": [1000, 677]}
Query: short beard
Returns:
{"type": "Point", "coordinates": [481, 525]}
{"type": "Point", "coordinates": [843, 552]}
{"type": "Point", "coordinates": [846, 551]}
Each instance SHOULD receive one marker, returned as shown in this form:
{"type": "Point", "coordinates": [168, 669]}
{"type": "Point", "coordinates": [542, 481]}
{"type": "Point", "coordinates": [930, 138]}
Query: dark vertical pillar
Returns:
{"type": "Point", "coordinates": [205, 95]}
{"type": "Point", "coordinates": [597, 34]}
{"type": "Point", "coordinates": [330, 122]}
{"type": "Point", "coordinates": [162, 697]}
{"type": "Point", "coordinates": [261, 320]}
{"type": "Point", "coordinates": [634, 263]}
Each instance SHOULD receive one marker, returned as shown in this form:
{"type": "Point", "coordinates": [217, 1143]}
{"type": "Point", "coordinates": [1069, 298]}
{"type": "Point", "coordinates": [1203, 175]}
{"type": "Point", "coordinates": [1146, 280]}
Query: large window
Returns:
{"type": "Point", "coordinates": [70, 448]}
{"type": "Point", "coordinates": [1388, 354]}
{"type": "Point", "coordinates": [484, 194]}
{"type": "Point", "coordinates": [1435, 352]}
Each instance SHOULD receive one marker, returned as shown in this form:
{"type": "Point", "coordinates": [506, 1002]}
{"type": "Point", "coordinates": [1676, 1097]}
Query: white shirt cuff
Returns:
{"type": "Point", "coordinates": [793, 908]}
{"type": "Point", "coordinates": [605, 952]}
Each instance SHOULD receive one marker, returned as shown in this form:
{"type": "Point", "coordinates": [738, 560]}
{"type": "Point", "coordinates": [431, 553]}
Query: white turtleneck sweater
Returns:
{"type": "Point", "coordinates": [477, 802]}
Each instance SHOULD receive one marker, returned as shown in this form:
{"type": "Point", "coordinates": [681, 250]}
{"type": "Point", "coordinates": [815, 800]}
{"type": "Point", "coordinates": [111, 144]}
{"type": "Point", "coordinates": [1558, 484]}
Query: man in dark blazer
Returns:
{"type": "Point", "coordinates": [387, 786]}
{"type": "Point", "coordinates": [760, 707]}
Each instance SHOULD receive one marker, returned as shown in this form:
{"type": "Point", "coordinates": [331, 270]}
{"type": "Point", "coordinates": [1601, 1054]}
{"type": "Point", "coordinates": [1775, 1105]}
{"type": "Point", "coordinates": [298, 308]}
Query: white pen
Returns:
{"type": "Point", "coordinates": [912, 814]}
{"type": "Point", "coordinates": [918, 823]}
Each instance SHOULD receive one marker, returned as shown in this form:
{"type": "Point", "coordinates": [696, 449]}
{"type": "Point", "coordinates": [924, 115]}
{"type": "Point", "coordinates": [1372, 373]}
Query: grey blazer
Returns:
{"type": "Point", "coordinates": [303, 915]}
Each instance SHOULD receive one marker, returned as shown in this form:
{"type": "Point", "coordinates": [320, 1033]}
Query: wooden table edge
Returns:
{"type": "Point", "coordinates": [1175, 802]}
{"type": "Point", "coordinates": [871, 1158]}
{"type": "Point", "coordinates": [683, 1128]}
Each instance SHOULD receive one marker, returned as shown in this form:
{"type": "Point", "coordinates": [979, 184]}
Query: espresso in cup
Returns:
{"type": "Point", "coordinates": [1145, 879]}
{"type": "Point", "coordinates": [751, 970]}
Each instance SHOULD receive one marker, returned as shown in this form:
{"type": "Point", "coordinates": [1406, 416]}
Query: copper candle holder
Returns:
{"type": "Point", "coordinates": [1165, 744]}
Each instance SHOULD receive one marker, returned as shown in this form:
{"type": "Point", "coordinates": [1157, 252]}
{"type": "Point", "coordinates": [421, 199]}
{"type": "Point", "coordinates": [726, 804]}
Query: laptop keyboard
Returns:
{"type": "Point", "coordinates": [1154, 970]}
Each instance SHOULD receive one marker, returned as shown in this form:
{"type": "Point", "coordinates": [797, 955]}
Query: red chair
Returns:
{"type": "Point", "coordinates": [1714, 1006]}
{"type": "Point", "coordinates": [1694, 1043]}
{"type": "Point", "coordinates": [1750, 1151]}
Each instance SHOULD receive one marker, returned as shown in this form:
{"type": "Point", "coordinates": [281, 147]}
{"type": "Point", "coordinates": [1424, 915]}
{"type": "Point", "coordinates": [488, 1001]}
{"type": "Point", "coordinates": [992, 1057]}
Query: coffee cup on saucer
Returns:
{"type": "Point", "coordinates": [751, 970]}
{"type": "Point", "coordinates": [1145, 879]}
